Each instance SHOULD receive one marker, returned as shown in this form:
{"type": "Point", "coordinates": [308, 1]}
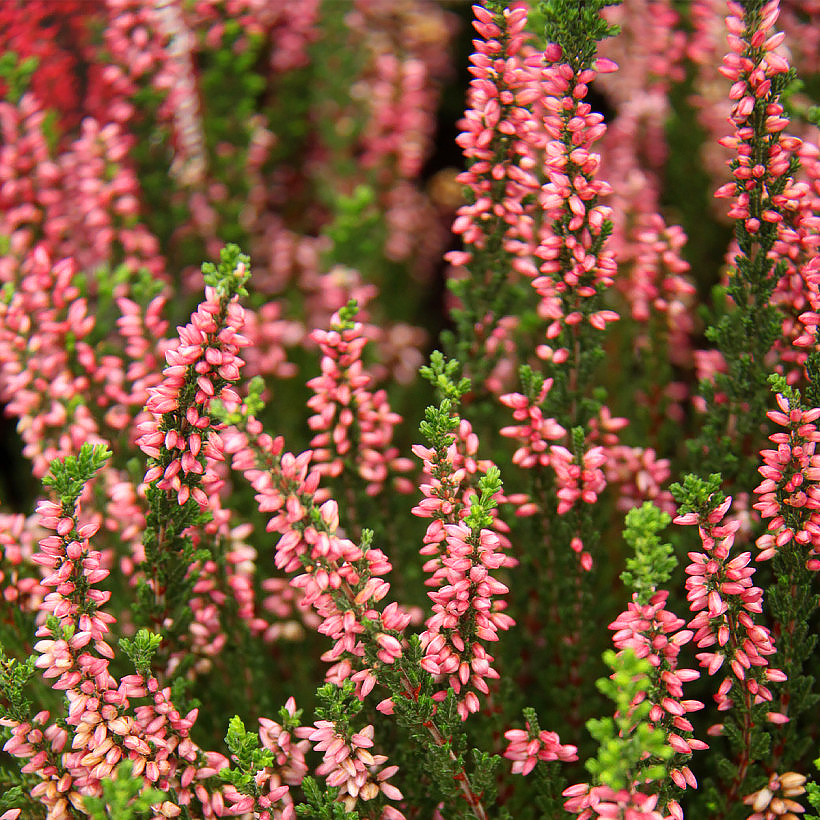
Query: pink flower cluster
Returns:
{"type": "Point", "coordinates": [181, 435]}
{"type": "Point", "coordinates": [533, 431]}
{"type": "Point", "coordinates": [102, 724]}
{"type": "Point", "coordinates": [576, 262]}
{"type": "Point", "coordinates": [721, 592]}
{"type": "Point", "coordinates": [497, 126]}
{"type": "Point", "coordinates": [273, 800]}
{"type": "Point", "coordinates": [655, 633]}
{"type": "Point", "coordinates": [339, 579]}
{"type": "Point", "coordinates": [466, 611]}
{"type": "Point", "coordinates": [525, 749]}
{"type": "Point", "coordinates": [354, 425]}
{"type": "Point", "coordinates": [38, 379]}
{"type": "Point", "coordinates": [349, 765]}
{"type": "Point", "coordinates": [789, 494]}
{"type": "Point", "coordinates": [466, 607]}
{"type": "Point", "coordinates": [602, 801]}
{"type": "Point", "coordinates": [22, 587]}
{"type": "Point", "coordinates": [578, 478]}
{"type": "Point", "coordinates": [751, 65]}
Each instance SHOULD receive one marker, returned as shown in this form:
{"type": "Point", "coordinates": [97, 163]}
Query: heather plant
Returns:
{"type": "Point", "coordinates": [459, 481]}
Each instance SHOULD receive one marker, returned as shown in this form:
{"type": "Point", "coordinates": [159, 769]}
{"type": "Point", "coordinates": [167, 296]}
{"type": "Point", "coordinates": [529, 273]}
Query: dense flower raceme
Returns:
{"type": "Point", "coordinates": [102, 723]}
{"type": "Point", "coordinates": [350, 765]}
{"type": "Point", "coordinates": [655, 633]}
{"type": "Point", "coordinates": [340, 580]}
{"type": "Point", "coordinates": [576, 263]}
{"type": "Point", "coordinates": [38, 381]}
{"type": "Point", "coordinates": [101, 227]}
{"type": "Point", "coordinates": [354, 426]}
{"type": "Point", "coordinates": [796, 248]}
{"type": "Point", "coordinates": [22, 587]}
{"type": "Point", "coordinates": [602, 801]}
{"type": "Point", "coordinates": [721, 592]}
{"type": "Point", "coordinates": [272, 799]}
{"type": "Point", "coordinates": [181, 434]}
{"type": "Point", "coordinates": [464, 550]}
{"type": "Point", "coordinates": [526, 748]}
{"type": "Point", "coordinates": [789, 494]}
{"type": "Point", "coordinates": [761, 187]}
{"type": "Point", "coordinates": [501, 174]}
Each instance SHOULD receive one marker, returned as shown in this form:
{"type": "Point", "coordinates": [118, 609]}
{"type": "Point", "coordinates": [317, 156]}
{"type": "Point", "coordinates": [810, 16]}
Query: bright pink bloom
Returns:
{"type": "Point", "coordinates": [655, 633]}
{"type": "Point", "coordinates": [354, 425]}
{"type": "Point", "coordinates": [181, 437]}
{"type": "Point", "coordinates": [789, 494]}
{"type": "Point", "coordinates": [729, 634]}
{"type": "Point", "coordinates": [350, 765]}
{"type": "Point", "coordinates": [525, 749]}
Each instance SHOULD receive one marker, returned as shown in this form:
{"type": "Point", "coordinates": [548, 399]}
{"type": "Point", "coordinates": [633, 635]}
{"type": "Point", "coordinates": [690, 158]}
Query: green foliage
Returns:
{"type": "Point", "coordinates": [15, 74]}
{"type": "Point", "coordinates": [653, 562]}
{"type": "Point", "coordinates": [489, 486]}
{"type": "Point", "coordinates": [628, 738]}
{"type": "Point", "coordinates": [347, 316]}
{"type": "Point", "coordinates": [355, 231]}
{"type": "Point", "coordinates": [141, 649]}
{"type": "Point", "coordinates": [813, 794]}
{"type": "Point", "coordinates": [248, 756]}
{"type": "Point", "coordinates": [322, 804]}
{"type": "Point", "coordinates": [577, 26]}
{"type": "Point", "coordinates": [124, 797]}
{"type": "Point", "coordinates": [442, 374]}
{"type": "Point", "coordinates": [68, 476]}
{"type": "Point", "coordinates": [697, 495]}
{"type": "Point", "coordinates": [14, 677]}
{"type": "Point", "coordinates": [225, 276]}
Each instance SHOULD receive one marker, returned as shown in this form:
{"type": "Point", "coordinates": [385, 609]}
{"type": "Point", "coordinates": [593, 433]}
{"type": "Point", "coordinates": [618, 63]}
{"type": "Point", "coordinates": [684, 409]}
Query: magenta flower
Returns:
{"type": "Point", "coordinates": [789, 495]}
{"type": "Point", "coordinates": [354, 425]}
{"type": "Point", "coordinates": [182, 436]}
{"type": "Point", "coordinates": [721, 592]}
{"type": "Point", "coordinates": [350, 765]}
{"type": "Point", "coordinates": [525, 749]}
{"type": "Point", "coordinates": [655, 633]}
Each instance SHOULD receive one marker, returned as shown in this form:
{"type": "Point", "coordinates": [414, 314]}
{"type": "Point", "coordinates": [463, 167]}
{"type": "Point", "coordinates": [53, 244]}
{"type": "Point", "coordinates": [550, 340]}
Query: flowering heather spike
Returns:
{"type": "Point", "coordinates": [632, 754]}
{"type": "Point", "coordinates": [341, 580]}
{"type": "Point", "coordinates": [789, 494]}
{"type": "Point", "coordinates": [758, 74]}
{"type": "Point", "coordinates": [182, 433]}
{"type": "Point", "coordinates": [577, 266]}
{"type": "Point", "coordinates": [497, 226]}
{"type": "Point", "coordinates": [721, 592]}
{"type": "Point", "coordinates": [658, 285]}
{"type": "Point", "coordinates": [46, 318]}
{"type": "Point", "coordinates": [533, 431]}
{"type": "Point", "coordinates": [528, 746]}
{"type": "Point", "coordinates": [500, 175]}
{"type": "Point", "coordinates": [350, 766]}
{"type": "Point", "coordinates": [264, 773]}
{"type": "Point", "coordinates": [74, 651]}
{"type": "Point", "coordinates": [354, 425]}
{"type": "Point", "coordinates": [655, 633]}
{"type": "Point", "coordinates": [465, 546]}
{"type": "Point", "coordinates": [20, 582]}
